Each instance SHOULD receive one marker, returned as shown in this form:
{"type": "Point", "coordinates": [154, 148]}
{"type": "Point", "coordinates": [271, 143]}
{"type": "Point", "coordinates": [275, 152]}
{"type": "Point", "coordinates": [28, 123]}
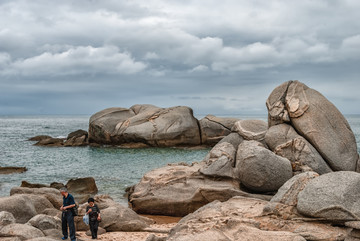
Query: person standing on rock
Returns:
{"type": "Point", "coordinates": [94, 217]}
{"type": "Point", "coordinates": [67, 217]}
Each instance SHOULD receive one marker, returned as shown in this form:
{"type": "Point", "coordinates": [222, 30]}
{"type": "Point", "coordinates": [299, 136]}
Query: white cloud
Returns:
{"type": "Point", "coordinates": [77, 60]}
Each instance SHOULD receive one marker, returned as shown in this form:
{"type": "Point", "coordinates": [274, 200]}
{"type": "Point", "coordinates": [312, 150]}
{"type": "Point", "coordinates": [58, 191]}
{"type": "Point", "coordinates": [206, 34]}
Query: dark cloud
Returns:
{"type": "Point", "coordinates": [216, 58]}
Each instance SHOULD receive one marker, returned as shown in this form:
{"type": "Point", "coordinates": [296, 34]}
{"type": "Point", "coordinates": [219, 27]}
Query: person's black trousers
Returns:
{"type": "Point", "coordinates": [67, 219]}
{"type": "Point", "coordinates": [94, 225]}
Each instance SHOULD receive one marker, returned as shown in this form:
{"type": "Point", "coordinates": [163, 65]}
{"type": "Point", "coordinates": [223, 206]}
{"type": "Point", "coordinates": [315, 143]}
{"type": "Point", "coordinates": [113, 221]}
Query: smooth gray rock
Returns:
{"type": "Point", "coordinates": [21, 207]}
{"type": "Point", "coordinates": [147, 124]}
{"type": "Point", "coordinates": [213, 128]}
{"type": "Point", "coordinates": [333, 196]}
{"type": "Point", "coordinates": [286, 142]}
{"type": "Point", "coordinates": [6, 218]}
{"type": "Point", "coordinates": [317, 120]}
{"type": "Point", "coordinates": [259, 169]}
{"type": "Point", "coordinates": [23, 231]}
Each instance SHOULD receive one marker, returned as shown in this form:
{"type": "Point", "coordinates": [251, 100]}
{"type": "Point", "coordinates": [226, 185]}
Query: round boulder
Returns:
{"type": "Point", "coordinates": [259, 169]}
{"type": "Point", "coordinates": [334, 196]}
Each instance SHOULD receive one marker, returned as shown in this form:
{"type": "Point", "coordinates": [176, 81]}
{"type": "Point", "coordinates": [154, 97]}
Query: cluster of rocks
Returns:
{"type": "Point", "coordinates": [32, 213]}
{"type": "Point", "coordinates": [76, 138]}
{"type": "Point", "coordinates": [146, 126]}
{"type": "Point", "coordinates": [293, 178]}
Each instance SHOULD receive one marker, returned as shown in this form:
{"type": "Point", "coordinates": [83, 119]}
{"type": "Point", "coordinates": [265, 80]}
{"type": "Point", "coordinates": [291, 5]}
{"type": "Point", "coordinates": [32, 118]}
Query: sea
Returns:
{"type": "Point", "coordinates": [114, 169]}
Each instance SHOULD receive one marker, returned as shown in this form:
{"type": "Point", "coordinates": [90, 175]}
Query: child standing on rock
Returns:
{"type": "Point", "coordinates": [94, 217]}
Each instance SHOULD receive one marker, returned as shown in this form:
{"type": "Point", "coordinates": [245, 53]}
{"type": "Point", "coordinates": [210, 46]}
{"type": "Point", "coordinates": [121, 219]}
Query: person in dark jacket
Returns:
{"type": "Point", "coordinates": [94, 217]}
{"type": "Point", "coordinates": [67, 217]}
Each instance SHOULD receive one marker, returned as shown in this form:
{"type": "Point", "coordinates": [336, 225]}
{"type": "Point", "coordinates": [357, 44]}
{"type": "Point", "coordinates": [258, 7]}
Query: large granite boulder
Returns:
{"type": "Point", "coordinates": [51, 194]}
{"type": "Point", "coordinates": [333, 196]}
{"type": "Point", "coordinates": [213, 128]}
{"type": "Point", "coordinates": [251, 129]}
{"type": "Point", "coordinates": [22, 231]}
{"type": "Point", "coordinates": [242, 218]}
{"type": "Point", "coordinates": [177, 190]}
{"type": "Point", "coordinates": [82, 188]}
{"type": "Point", "coordinates": [115, 217]}
{"type": "Point", "coordinates": [22, 206]}
{"type": "Point", "coordinates": [317, 120]}
{"type": "Point", "coordinates": [259, 169]}
{"type": "Point", "coordinates": [284, 141]}
{"type": "Point", "coordinates": [147, 124]}
{"type": "Point", "coordinates": [284, 202]}
{"type": "Point", "coordinates": [6, 218]}
{"type": "Point", "coordinates": [44, 222]}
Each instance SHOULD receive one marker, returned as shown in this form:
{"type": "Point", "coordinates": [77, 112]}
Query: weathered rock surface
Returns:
{"type": "Point", "coordinates": [82, 188]}
{"type": "Point", "coordinates": [51, 194]}
{"type": "Point", "coordinates": [259, 169]}
{"type": "Point", "coordinates": [39, 138]}
{"type": "Point", "coordinates": [177, 190]}
{"type": "Point", "coordinates": [20, 206]}
{"type": "Point", "coordinates": [333, 196]}
{"type": "Point", "coordinates": [220, 162]}
{"type": "Point", "coordinates": [285, 200]}
{"type": "Point", "coordinates": [50, 142]}
{"type": "Point", "coordinates": [241, 218]}
{"type": "Point", "coordinates": [147, 124]}
{"type": "Point", "coordinates": [115, 217]}
{"type": "Point", "coordinates": [23, 231]}
{"type": "Point", "coordinates": [251, 129]}
{"type": "Point", "coordinates": [44, 222]}
{"type": "Point", "coordinates": [77, 138]}
{"type": "Point", "coordinates": [286, 142]}
{"type": "Point", "coordinates": [10, 170]}
{"type": "Point", "coordinates": [6, 218]}
{"type": "Point", "coordinates": [213, 128]}
{"type": "Point", "coordinates": [317, 120]}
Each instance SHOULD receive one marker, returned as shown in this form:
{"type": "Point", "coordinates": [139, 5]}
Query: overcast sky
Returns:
{"type": "Point", "coordinates": [217, 57]}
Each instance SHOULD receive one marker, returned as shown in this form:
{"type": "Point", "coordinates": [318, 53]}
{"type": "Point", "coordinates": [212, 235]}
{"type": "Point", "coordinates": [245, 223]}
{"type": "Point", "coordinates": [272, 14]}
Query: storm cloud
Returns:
{"type": "Point", "coordinates": [78, 57]}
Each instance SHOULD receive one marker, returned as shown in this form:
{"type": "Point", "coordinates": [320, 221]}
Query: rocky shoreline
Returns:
{"type": "Point", "coordinates": [293, 178]}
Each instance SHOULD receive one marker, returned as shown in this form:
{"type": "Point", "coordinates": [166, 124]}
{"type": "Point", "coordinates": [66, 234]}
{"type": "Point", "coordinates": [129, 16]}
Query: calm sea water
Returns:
{"type": "Point", "coordinates": [114, 169]}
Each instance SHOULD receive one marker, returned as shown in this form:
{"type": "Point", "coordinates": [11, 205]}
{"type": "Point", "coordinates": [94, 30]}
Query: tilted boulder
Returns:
{"type": "Point", "coordinates": [147, 124]}
{"type": "Point", "coordinates": [259, 169]}
{"type": "Point", "coordinates": [333, 196]}
{"type": "Point", "coordinates": [213, 128]}
{"type": "Point", "coordinates": [286, 142]}
{"type": "Point", "coordinates": [317, 120]}
{"type": "Point", "coordinates": [177, 190]}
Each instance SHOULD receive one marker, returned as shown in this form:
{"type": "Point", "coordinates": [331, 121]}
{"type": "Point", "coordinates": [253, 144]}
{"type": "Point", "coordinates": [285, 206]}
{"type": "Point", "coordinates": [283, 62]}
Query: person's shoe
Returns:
{"type": "Point", "coordinates": [64, 238]}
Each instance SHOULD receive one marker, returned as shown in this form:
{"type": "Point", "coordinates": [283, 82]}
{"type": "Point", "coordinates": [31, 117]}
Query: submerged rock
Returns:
{"type": "Point", "coordinates": [10, 170]}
